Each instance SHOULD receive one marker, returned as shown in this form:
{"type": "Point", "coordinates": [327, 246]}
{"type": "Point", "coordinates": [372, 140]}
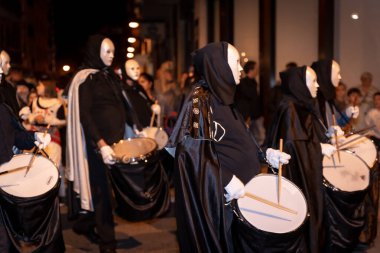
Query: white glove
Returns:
{"type": "Point", "coordinates": [339, 132]}
{"type": "Point", "coordinates": [327, 149]}
{"type": "Point", "coordinates": [107, 154]}
{"type": "Point", "coordinates": [274, 156]}
{"type": "Point", "coordinates": [352, 111]}
{"type": "Point", "coordinates": [42, 139]}
{"type": "Point", "coordinates": [24, 112]}
{"type": "Point", "coordinates": [156, 109]}
{"type": "Point", "coordinates": [235, 189]}
{"type": "Point", "coordinates": [141, 133]}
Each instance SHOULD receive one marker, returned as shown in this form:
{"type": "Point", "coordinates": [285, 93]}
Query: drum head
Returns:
{"type": "Point", "coordinates": [134, 149]}
{"type": "Point", "coordinates": [269, 218]}
{"type": "Point", "coordinates": [157, 134]}
{"type": "Point", "coordinates": [364, 148]}
{"type": "Point", "coordinates": [41, 178]}
{"type": "Point", "coordinates": [350, 174]}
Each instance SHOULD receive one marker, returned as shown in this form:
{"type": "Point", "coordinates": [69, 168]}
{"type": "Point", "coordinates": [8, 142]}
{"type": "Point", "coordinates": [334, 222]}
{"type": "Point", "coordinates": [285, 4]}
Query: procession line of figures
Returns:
{"type": "Point", "coordinates": [321, 194]}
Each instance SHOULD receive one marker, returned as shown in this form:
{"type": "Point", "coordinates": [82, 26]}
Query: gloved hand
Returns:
{"type": "Point", "coordinates": [156, 109]}
{"type": "Point", "coordinates": [235, 189]}
{"type": "Point", "coordinates": [327, 149]}
{"type": "Point", "coordinates": [274, 156]}
{"type": "Point", "coordinates": [24, 112]}
{"type": "Point", "coordinates": [352, 111]}
{"type": "Point", "coordinates": [107, 154]}
{"type": "Point", "coordinates": [339, 132]}
{"type": "Point", "coordinates": [42, 139]}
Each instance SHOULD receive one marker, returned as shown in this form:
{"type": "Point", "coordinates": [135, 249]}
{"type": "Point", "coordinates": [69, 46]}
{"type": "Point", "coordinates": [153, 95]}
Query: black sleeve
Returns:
{"type": "Point", "coordinates": [85, 107]}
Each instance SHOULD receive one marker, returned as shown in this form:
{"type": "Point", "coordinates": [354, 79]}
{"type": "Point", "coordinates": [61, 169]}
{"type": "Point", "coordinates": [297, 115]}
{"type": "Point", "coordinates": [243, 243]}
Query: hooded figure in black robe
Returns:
{"type": "Point", "coordinates": [212, 144]}
{"type": "Point", "coordinates": [297, 123]}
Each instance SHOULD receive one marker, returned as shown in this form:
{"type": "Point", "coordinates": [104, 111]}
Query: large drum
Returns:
{"type": "Point", "coordinates": [139, 181]}
{"type": "Point", "coordinates": [260, 227]}
{"type": "Point", "coordinates": [365, 149]}
{"type": "Point", "coordinates": [158, 134]}
{"type": "Point", "coordinates": [30, 204]}
{"type": "Point", "coordinates": [346, 183]}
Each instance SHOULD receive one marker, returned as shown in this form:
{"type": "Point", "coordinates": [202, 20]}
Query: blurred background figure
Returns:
{"type": "Point", "coordinates": [373, 119]}
{"type": "Point", "coordinates": [367, 90]}
{"type": "Point", "coordinates": [147, 82]}
{"type": "Point", "coordinates": [340, 96]}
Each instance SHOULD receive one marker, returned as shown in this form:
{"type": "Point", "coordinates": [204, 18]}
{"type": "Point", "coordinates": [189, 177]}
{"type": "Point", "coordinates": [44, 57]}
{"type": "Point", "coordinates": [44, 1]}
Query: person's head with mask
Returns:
{"type": "Point", "coordinates": [5, 62]}
{"type": "Point", "coordinates": [132, 69]}
{"type": "Point", "coordinates": [99, 52]}
{"type": "Point", "coordinates": [218, 65]}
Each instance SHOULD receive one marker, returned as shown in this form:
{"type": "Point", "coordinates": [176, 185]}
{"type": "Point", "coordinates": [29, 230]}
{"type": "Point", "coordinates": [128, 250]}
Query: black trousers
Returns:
{"type": "Point", "coordinates": [102, 218]}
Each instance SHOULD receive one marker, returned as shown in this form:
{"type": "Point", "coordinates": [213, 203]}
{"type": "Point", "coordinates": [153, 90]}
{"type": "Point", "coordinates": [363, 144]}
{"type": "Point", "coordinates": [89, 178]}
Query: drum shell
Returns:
{"type": "Point", "coordinates": [141, 189]}
{"type": "Point", "coordinates": [33, 223]}
{"type": "Point", "coordinates": [247, 238]}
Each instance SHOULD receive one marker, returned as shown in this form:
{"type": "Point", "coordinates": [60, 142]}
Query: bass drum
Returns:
{"type": "Point", "coordinates": [30, 204]}
{"type": "Point", "coordinates": [259, 227]}
{"type": "Point", "coordinates": [346, 183]}
{"type": "Point", "coordinates": [140, 183]}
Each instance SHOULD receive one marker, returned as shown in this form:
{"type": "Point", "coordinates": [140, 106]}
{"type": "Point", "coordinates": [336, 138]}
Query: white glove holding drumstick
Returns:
{"type": "Point", "coordinates": [108, 155]}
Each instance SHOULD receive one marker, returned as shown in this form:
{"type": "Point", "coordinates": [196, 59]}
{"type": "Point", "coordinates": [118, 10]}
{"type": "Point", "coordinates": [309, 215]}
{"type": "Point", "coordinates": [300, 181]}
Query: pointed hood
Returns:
{"type": "Point", "coordinates": [211, 65]}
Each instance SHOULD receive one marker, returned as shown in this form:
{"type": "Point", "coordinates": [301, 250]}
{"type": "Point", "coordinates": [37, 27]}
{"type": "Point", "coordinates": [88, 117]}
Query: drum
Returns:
{"type": "Point", "coordinates": [140, 183]}
{"type": "Point", "coordinates": [158, 134]}
{"type": "Point", "coordinates": [30, 204]}
{"type": "Point", "coordinates": [260, 227]}
{"type": "Point", "coordinates": [364, 148]}
{"type": "Point", "coordinates": [346, 185]}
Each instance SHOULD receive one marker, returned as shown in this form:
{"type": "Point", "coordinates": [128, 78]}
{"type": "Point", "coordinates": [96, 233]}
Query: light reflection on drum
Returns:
{"type": "Point", "coordinates": [268, 218]}
{"type": "Point", "coordinates": [349, 174]}
{"type": "Point", "coordinates": [41, 178]}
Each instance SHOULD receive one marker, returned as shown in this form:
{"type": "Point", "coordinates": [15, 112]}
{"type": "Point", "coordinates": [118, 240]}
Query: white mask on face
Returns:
{"type": "Point", "coordinates": [335, 73]}
{"type": "Point", "coordinates": [107, 50]}
{"type": "Point", "coordinates": [234, 62]}
{"type": "Point", "coordinates": [311, 82]}
{"type": "Point", "coordinates": [132, 68]}
{"type": "Point", "coordinates": [5, 62]}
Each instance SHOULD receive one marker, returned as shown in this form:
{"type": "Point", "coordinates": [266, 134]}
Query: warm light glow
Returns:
{"type": "Point", "coordinates": [245, 60]}
{"type": "Point", "coordinates": [130, 55]}
{"type": "Point", "coordinates": [130, 49]}
{"type": "Point", "coordinates": [243, 54]}
{"type": "Point", "coordinates": [355, 16]}
{"type": "Point", "coordinates": [66, 68]}
{"type": "Point", "coordinates": [133, 24]}
{"type": "Point", "coordinates": [131, 39]}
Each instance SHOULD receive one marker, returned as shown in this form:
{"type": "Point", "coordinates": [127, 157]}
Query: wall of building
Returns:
{"type": "Point", "coordinates": [357, 42]}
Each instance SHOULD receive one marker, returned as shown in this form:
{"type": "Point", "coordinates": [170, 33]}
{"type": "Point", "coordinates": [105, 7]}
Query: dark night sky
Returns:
{"type": "Point", "coordinates": [75, 20]}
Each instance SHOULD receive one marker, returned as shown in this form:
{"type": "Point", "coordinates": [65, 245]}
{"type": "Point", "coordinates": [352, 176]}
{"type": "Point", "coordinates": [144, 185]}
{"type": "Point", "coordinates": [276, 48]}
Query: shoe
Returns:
{"type": "Point", "coordinates": [91, 235]}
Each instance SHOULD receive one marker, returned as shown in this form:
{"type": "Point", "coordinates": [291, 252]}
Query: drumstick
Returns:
{"type": "Point", "coordinates": [152, 120]}
{"type": "Point", "coordinates": [352, 140]}
{"type": "Point", "coordinates": [336, 137]}
{"type": "Point", "coordinates": [279, 175]}
{"type": "Point", "coordinates": [360, 131]}
{"type": "Point", "coordinates": [270, 203]}
{"type": "Point", "coordinates": [14, 170]}
{"type": "Point", "coordinates": [36, 151]}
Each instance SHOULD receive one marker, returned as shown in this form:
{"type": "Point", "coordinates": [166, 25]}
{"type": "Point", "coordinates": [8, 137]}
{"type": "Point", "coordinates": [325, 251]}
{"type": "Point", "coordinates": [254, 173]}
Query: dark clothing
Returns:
{"type": "Point", "coordinates": [275, 97]}
{"type": "Point", "coordinates": [140, 103]}
{"type": "Point", "coordinates": [247, 100]}
{"type": "Point", "coordinates": [297, 124]}
{"type": "Point", "coordinates": [205, 162]}
{"type": "Point", "coordinates": [102, 108]}
{"type": "Point", "coordinates": [9, 93]}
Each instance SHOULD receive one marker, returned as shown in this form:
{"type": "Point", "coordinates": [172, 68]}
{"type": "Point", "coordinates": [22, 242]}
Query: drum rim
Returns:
{"type": "Point", "coordinates": [37, 196]}
{"type": "Point", "coordinates": [132, 160]}
{"type": "Point", "coordinates": [162, 130]}
{"type": "Point", "coordinates": [370, 166]}
{"type": "Point", "coordinates": [240, 216]}
{"type": "Point", "coordinates": [328, 184]}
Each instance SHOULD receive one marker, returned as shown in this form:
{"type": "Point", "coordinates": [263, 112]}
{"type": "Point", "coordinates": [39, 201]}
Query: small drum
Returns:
{"type": "Point", "coordinates": [140, 183]}
{"type": "Point", "coordinates": [346, 186]}
{"type": "Point", "coordinates": [263, 228]}
{"type": "Point", "coordinates": [158, 134]}
{"type": "Point", "coordinates": [30, 204]}
{"type": "Point", "coordinates": [364, 148]}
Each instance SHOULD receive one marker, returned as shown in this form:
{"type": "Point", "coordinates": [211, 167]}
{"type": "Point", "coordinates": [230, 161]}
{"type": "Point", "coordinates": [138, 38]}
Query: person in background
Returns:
{"type": "Point", "coordinates": [6, 87]}
{"type": "Point", "coordinates": [147, 82]}
{"type": "Point", "coordinates": [367, 90]}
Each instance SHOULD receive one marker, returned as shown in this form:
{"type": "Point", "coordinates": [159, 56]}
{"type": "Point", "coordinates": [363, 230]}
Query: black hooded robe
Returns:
{"type": "Point", "coordinates": [297, 123]}
{"type": "Point", "coordinates": [207, 157]}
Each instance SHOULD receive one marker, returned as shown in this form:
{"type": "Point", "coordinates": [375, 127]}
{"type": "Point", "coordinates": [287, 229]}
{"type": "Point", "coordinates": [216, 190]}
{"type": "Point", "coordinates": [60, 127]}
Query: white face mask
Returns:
{"type": "Point", "coordinates": [107, 50]}
{"type": "Point", "coordinates": [5, 62]}
{"type": "Point", "coordinates": [311, 82]}
{"type": "Point", "coordinates": [132, 68]}
{"type": "Point", "coordinates": [335, 73]}
{"type": "Point", "coordinates": [233, 58]}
